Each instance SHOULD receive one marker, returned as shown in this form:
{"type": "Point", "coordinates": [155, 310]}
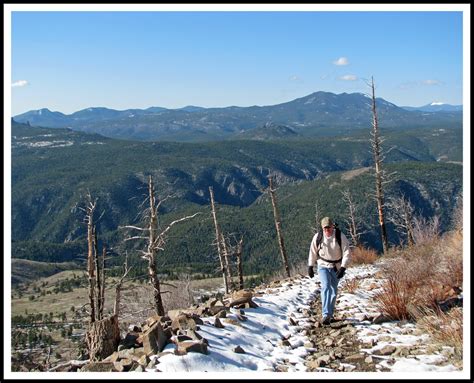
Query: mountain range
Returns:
{"type": "Point", "coordinates": [436, 107]}
{"type": "Point", "coordinates": [318, 114]}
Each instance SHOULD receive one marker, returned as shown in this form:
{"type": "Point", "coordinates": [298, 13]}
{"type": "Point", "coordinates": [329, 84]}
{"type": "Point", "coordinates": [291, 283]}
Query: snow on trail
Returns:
{"type": "Point", "coordinates": [259, 335]}
{"type": "Point", "coordinates": [271, 335]}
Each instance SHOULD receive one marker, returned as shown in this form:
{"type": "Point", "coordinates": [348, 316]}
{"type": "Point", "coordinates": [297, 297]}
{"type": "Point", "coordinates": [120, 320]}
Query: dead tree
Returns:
{"type": "Point", "coordinates": [376, 142]}
{"type": "Point", "coordinates": [118, 286]}
{"type": "Point", "coordinates": [103, 334]}
{"type": "Point", "coordinates": [225, 253]}
{"type": "Point", "coordinates": [402, 217]}
{"type": "Point", "coordinates": [90, 208]}
{"type": "Point", "coordinates": [102, 295]}
{"type": "Point", "coordinates": [219, 242]}
{"type": "Point", "coordinates": [99, 279]}
{"type": "Point", "coordinates": [426, 229]}
{"type": "Point", "coordinates": [352, 218]}
{"type": "Point", "coordinates": [276, 215]}
{"type": "Point", "coordinates": [155, 242]}
{"type": "Point", "coordinates": [238, 254]}
{"type": "Point", "coordinates": [317, 218]}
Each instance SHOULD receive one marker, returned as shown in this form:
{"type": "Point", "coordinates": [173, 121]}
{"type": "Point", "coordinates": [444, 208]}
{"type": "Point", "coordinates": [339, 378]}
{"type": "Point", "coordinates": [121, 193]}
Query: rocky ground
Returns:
{"type": "Point", "coordinates": [358, 340]}
{"type": "Point", "coordinates": [337, 345]}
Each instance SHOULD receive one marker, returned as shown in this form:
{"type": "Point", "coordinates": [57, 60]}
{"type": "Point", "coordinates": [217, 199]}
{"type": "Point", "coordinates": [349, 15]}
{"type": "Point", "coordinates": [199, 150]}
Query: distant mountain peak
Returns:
{"type": "Point", "coordinates": [437, 103]}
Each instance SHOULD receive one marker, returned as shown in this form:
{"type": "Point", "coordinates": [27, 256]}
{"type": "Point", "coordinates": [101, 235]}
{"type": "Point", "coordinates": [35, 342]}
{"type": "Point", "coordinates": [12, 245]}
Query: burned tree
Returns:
{"type": "Point", "coordinates": [352, 218]}
{"type": "Point", "coordinates": [276, 214]}
{"type": "Point", "coordinates": [118, 286]}
{"type": "Point", "coordinates": [91, 252]}
{"type": "Point", "coordinates": [220, 243]}
{"type": "Point", "coordinates": [238, 254]}
{"type": "Point", "coordinates": [402, 217]}
{"type": "Point", "coordinates": [156, 241]}
{"type": "Point", "coordinates": [103, 334]}
{"type": "Point", "coordinates": [317, 218]}
{"type": "Point", "coordinates": [376, 142]}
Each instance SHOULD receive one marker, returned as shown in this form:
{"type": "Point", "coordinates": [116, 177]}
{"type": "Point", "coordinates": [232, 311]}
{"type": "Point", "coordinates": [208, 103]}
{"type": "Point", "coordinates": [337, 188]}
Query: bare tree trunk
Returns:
{"type": "Point", "coordinates": [155, 242]}
{"type": "Point", "coordinates": [352, 220]}
{"type": "Point", "coordinates": [118, 287]}
{"type": "Point", "coordinates": [90, 254]}
{"type": "Point", "coordinates": [401, 216]}
{"type": "Point", "coordinates": [239, 263]}
{"type": "Point", "coordinates": [377, 151]}
{"type": "Point", "coordinates": [227, 265]}
{"type": "Point", "coordinates": [102, 335]}
{"type": "Point", "coordinates": [218, 241]}
{"type": "Point", "coordinates": [103, 338]}
{"type": "Point", "coordinates": [276, 215]}
{"type": "Point", "coordinates": [317, 218]}
{"type": "Point", "coordinates": [408, 216]}
{"type": "Point", "coordinates": [102, 294]}
{"type": "Point", "coordinates": [153, 239]}
{"type": "Point", "coordinates": [98, 289]}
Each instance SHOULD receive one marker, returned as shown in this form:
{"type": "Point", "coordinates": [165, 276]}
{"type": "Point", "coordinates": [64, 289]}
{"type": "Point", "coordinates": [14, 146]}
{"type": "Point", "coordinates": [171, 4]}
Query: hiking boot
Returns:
{"type": "Point", "coordinates": [326, 321]}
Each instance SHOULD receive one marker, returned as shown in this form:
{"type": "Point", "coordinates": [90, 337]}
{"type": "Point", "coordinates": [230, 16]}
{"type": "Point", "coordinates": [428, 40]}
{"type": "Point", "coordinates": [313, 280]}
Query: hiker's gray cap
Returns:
{"type": "Point", "coordinates": [326, 221]}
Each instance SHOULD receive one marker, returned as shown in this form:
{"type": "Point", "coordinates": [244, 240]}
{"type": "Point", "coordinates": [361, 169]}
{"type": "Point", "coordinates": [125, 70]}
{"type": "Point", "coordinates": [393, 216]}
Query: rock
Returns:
{"type": "Point", "coordinates": [124, 365]}
{"type": "Point", "coordinates": [191, 346]}
{"type": "Point", "coordinates": [155, 339]}
{"type": "Point", "coordinates": [381, 318]}
{"type": "Point", "coordinates": [293, 322]}
{"type": "Point", "coordinates": [239, 350]}
{"type": "Point", "coordinates": [354, 358]}
{"type": "Point", "coordinates": [213, 310]}
{"type": "Point", "coordinates": [386, 350]}
{"type": "Point", "coordinates": [185, 321]}
{"type": "Point", "coordinates": [99, 367]}
{"type": "Point", "coordinates": [240, 297]}
{"type": "Point", "coordinates": [218, 323]}
{"type": "Point", "coordinates": [328, 342]}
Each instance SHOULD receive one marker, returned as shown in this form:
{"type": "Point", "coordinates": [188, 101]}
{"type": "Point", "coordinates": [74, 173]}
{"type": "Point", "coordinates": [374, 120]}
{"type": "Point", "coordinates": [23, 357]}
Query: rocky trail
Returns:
{"type": "Point", "coordinates": [276, 328]}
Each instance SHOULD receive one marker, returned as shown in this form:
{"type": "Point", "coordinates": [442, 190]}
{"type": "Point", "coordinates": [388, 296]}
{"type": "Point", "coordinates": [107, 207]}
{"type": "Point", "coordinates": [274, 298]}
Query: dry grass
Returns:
{"type": "Point", "coordinates": [444, 328]}
{"type": "Point", "coordinates": [362, 255]}
{"type": "Point", "coordinates": [351, 285]}
{"type": "Point", "coordinates": [423, 275]}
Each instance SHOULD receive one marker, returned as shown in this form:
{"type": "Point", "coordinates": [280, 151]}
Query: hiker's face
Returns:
{"type": "Point", "coordinates": [328, 230]}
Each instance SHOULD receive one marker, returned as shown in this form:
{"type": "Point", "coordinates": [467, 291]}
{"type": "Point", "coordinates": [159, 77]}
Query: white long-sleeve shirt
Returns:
{"type": "Point", "coordinates": [330, 250]}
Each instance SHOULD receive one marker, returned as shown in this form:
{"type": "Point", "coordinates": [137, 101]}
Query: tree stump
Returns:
{"type": "Point", "coordinates": [103, 338]}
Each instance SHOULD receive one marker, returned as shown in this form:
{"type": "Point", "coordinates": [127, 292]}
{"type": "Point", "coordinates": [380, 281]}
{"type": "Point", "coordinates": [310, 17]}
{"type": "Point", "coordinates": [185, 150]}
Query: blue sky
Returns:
{"type": "Point", "coordinates": [68, 61]}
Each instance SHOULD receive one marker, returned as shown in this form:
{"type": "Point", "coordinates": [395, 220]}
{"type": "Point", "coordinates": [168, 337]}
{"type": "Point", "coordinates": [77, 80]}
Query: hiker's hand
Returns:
{"type": "Point", "coordinates": [310, 271]}
{"type": "Point", "coordinates": [340, 273]}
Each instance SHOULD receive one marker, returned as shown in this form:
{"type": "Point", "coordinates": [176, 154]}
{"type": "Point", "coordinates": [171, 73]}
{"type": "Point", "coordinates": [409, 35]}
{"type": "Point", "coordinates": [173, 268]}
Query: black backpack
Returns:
{"type": "Point", "coordinates": [319, 240]}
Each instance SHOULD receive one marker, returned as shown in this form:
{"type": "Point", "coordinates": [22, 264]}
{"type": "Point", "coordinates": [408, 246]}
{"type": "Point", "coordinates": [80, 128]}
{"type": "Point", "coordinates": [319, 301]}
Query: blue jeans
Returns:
{"type": "Point", "coordinates": [329, 282]}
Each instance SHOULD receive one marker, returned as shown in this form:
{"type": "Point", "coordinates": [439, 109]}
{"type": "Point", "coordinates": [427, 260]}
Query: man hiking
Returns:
{"type": "Point", "coordinates": [332, 252]}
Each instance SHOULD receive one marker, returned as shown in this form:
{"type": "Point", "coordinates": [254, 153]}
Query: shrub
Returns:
{"type": "Point", "coordinates": [423, 275]}
{"type": "Point", "coordinates": [351, 285]}
{"type": "Point", "coordinates": [445, 328]}
{"type": "Point", "coordinates": [362, 255]}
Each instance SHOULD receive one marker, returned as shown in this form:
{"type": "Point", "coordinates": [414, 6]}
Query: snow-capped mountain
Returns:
{"type": "Point", "coordinates": [436, 106]}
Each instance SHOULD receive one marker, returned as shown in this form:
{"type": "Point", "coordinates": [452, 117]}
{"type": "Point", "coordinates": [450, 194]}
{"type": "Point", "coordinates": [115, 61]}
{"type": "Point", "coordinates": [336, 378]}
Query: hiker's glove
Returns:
{"type": "Point", "coordinates": [310, 271]}
{"type": "Point", "coordinates": [340, 273]}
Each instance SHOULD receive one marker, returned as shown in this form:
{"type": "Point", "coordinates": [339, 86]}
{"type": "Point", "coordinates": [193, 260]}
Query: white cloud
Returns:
{"type": "Point", "coordinates": [295, 78]}
{"type": "Point", "coordinates": [348, 77]}
{"type": "Point", "coordinates": [341, 61]}
{"type": "Point", "coordinates": [19, 83]}
{"type": "Point", "coordinates": [431, 82]}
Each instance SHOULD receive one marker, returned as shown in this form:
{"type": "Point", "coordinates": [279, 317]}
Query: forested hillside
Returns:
{"type": "Point", "coordinates": [53, 169]}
